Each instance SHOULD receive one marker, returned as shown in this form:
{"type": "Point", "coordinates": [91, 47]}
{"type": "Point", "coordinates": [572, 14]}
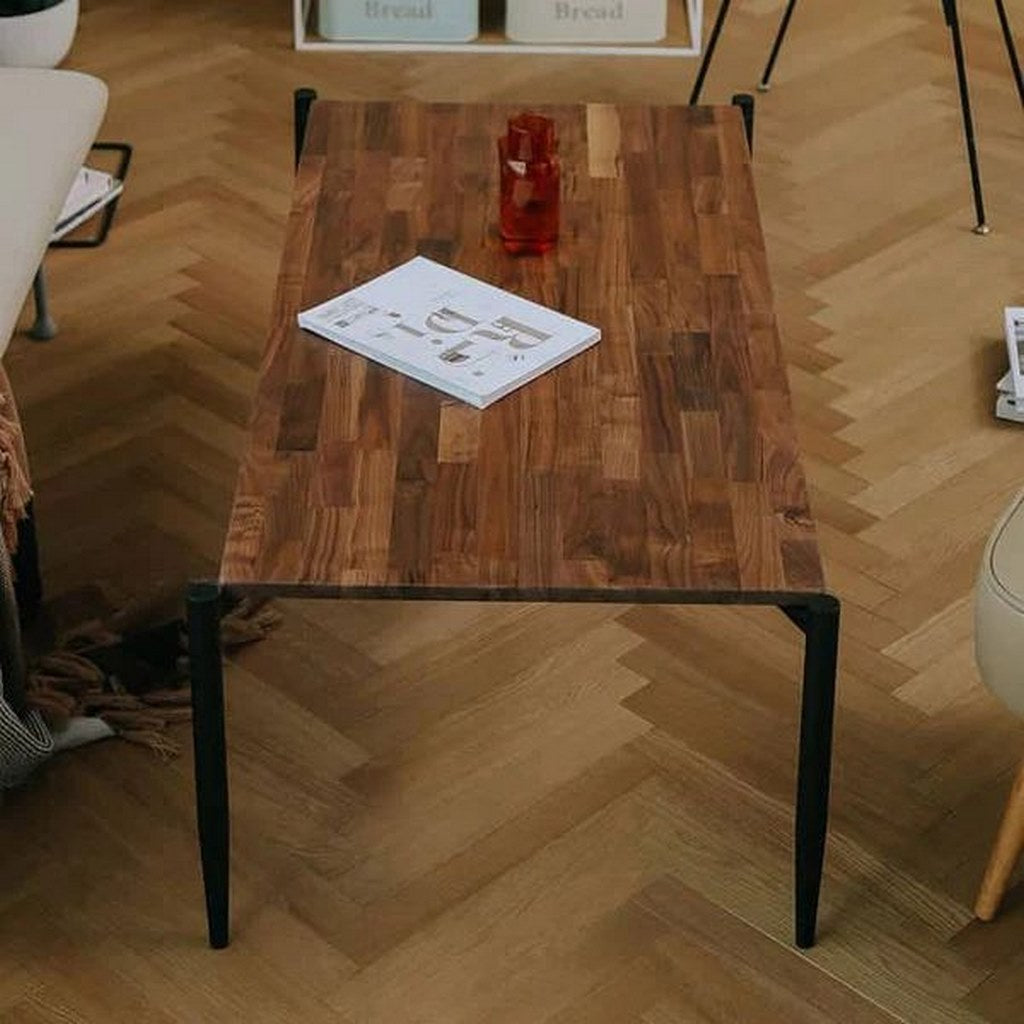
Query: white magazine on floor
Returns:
{"type": "Point", "coordinates": [90, 192]}
{"type": "Point", "coordinates": [451, 331]}
{"type": "Point", "coordinates": [1010, 389]}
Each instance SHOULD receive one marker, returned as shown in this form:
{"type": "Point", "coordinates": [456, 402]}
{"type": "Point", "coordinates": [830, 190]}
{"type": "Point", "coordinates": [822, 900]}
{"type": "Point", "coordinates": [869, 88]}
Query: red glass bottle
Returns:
{"type": "Point", "coordinates": [530, 184]}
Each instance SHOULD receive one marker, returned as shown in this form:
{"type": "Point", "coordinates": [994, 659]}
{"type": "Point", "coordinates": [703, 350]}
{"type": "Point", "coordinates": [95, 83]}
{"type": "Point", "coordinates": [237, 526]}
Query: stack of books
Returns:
{"type": "Point", "coordinates": [1010, 389]}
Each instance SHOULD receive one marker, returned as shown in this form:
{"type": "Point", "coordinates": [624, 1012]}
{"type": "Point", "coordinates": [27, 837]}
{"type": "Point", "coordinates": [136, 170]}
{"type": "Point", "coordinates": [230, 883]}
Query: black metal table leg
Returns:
{"type": "Point", "coordinates": [304, 99]}
{"type": "Point", "coordinates": [210, 753]}
{"type": "Point", "coordinates": [745, 102]}
{"type": "Point", "coordinates": [820, 623]}
{"type": "Point", "coordinates": [709, 52]}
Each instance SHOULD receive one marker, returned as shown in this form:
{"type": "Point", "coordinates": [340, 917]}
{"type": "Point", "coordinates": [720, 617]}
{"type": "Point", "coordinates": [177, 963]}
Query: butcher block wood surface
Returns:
{"type": "Point", "coordinates": [662, 459]}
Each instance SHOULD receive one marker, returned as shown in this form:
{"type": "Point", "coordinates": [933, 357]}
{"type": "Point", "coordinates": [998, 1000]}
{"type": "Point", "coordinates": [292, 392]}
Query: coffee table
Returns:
{"type": "Point", "coordinates": [660, 466]}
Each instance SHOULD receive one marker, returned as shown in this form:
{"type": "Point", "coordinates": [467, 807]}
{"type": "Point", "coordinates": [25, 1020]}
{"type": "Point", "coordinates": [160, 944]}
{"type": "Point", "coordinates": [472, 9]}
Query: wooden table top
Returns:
{"type": "Point", "coordinates": [662, 460]}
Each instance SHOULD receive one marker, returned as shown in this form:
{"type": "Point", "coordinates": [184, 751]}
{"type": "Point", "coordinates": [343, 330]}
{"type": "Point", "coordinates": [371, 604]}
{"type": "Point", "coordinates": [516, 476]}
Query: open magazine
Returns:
{"type": "Point", "coordinates": [90, 192]}
{"type": "Point", "coordinates": [451, 331]}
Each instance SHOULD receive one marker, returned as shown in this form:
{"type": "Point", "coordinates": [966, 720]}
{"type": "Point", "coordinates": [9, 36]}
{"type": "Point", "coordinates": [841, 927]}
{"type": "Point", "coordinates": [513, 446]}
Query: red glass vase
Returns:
{"type": "Point", "coordinates": [530, 184]}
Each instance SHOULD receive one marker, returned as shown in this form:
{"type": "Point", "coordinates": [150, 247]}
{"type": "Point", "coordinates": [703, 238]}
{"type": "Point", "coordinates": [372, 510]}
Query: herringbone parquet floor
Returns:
{"type": "Point", "coordinates": [458, 814]}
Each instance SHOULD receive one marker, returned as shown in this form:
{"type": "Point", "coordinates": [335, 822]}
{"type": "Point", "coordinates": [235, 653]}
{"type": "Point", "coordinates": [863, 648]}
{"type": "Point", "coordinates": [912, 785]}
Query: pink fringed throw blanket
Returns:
{"type": "Point", "coordinates": [15, 487]}
{"type": "Point", "coordinates": [129, 671]}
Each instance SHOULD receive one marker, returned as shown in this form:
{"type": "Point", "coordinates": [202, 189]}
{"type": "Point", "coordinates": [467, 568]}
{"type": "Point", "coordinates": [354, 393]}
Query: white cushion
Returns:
{"type": "Point", "coordinates": [48, 121]}
{"type": "Point", "coordinates": [999, 609]}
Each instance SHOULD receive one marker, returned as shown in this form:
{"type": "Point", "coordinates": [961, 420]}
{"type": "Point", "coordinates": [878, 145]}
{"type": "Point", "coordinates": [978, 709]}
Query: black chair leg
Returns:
{"type": "Point", "coordinates": [1011, 49]}
{"type": "Point", "coordinates": [953, 21]}
{"type": "Point", "coordinates": [709, 52]}
{"type": "Point", "coordinates": [765, 84]}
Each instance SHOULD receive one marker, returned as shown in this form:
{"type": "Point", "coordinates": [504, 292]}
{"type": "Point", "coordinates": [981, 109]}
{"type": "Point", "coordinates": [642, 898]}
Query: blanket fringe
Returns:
{"type": "Point", "coordinates": [73, 680]}
{"type": "Point", "coordinates": [15, 486]}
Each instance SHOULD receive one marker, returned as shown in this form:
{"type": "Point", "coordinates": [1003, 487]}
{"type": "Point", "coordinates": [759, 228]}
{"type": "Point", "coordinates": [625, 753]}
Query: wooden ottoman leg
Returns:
{"type": "Point", "coordinates": [1005, 852]}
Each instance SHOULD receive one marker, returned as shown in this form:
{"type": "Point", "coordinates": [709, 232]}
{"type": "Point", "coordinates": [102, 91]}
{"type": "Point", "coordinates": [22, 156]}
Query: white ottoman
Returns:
{"type": "Point", "coordinates": [999, 649]}
{"type": "Point", "coordinates": [48, 121]}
